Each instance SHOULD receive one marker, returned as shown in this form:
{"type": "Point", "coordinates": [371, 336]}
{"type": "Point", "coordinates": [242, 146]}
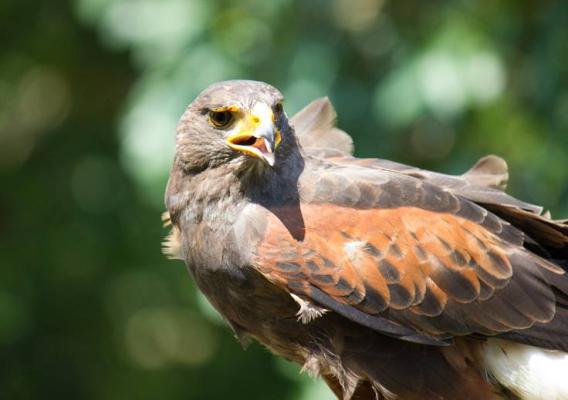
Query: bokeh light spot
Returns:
{"type": "Point", "coordinates": [441, 84]}
{"type": "Point", "coordinates": [158, 337]}
{"type": "Point", "coordinates": [356, 15]}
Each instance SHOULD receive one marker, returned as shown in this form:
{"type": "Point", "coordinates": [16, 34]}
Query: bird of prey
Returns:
{"type": "Point", "coordinates": [388, 281]}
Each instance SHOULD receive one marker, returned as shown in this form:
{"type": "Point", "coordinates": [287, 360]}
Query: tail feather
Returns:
{"type": "Point", "coordinates": [547, 236]}
{"type": "Point", "coordinates": [528, 372]}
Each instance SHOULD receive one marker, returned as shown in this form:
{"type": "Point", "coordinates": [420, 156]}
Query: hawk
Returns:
{"type": "Point", "coordinates": [385, 280]}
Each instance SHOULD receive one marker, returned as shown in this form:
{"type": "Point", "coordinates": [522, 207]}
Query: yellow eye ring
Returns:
{"type": "Point", "coordinates": [220, 119]}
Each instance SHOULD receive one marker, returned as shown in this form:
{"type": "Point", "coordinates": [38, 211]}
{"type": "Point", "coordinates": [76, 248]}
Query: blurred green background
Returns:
{"type": "Point", "coordinates": [90, 92]}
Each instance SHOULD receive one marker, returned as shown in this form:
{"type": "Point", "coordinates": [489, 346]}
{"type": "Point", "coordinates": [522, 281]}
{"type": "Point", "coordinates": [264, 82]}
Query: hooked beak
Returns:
{"type": "Point", "coordinates": [256, 134]}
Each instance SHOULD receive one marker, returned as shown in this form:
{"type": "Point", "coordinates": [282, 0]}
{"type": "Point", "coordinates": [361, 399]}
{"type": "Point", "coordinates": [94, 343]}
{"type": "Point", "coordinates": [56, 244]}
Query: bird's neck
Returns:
{"type": "Point", "coordinates": [267, 185]}
{"type": "Point", "coordinates": [193, 196]}
{"type": "Point", "coordinates": [218, 194]}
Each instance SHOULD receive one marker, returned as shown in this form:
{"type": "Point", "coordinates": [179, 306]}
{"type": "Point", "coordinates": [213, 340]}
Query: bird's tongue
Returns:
{"type": "Point", "coordinates": [264, 147]}
{"type": "Point", "coordinates": [260, 144]}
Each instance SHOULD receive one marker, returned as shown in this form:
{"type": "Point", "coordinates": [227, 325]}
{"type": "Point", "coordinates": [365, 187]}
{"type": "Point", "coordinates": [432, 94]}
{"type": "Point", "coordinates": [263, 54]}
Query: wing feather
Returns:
{"type": "Point", "coordinates": [408, 259]}
{"type": "Point", "coordinates": [316, 130]}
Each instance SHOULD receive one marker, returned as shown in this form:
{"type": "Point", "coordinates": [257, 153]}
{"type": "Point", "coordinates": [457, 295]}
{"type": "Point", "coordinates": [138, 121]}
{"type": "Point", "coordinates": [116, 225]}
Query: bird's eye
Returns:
{"type": "Point", "coordinates": [220, 119]}
{"type": "Point", "coordinates": [278, 108]}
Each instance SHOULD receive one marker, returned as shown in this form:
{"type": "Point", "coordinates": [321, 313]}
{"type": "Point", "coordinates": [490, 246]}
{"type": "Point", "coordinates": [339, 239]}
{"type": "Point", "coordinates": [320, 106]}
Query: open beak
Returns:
{"type": "Point", "coordinates": [256, 134]}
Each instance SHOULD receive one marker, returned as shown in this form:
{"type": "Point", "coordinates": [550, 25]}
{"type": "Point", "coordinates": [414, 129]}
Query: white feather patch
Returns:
{"type": "Point", "coordinates": [307, 311]}
{"type": "Point", "coordinates": [171, 246]}
{"type": "Point", "coordinates": [353, 248]}
{"type": "Point", "coordinates": [529, 372]}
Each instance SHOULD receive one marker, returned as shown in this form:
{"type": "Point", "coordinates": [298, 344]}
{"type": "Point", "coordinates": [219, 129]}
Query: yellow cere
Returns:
{"type": "Point", "coordinates": [260, 117]}
{"type": "Point", "coordinates": [253, 124]}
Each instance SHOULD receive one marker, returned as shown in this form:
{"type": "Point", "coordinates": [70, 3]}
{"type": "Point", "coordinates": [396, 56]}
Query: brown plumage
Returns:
{"type": "Point", "coordinates": [386, 280]}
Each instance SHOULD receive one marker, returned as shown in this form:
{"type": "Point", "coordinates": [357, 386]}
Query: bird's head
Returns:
{"type": "Point", "coordinates": [242, 122]}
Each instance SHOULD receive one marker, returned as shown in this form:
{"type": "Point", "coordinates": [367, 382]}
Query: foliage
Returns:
{"type": "Point", "coordinates": [90, 92]}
